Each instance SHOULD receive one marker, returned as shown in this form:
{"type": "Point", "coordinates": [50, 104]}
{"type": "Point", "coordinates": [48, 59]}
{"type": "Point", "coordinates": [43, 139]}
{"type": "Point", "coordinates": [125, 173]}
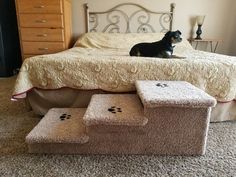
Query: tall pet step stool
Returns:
{"type": "Point", "coordinates": [166, 117]}
{"type": "Point", "coordinates": [179, 115]}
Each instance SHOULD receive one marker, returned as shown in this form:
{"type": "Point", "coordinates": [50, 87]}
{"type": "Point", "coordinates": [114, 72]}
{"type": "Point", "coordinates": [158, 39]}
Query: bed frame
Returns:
{"type": "Point", "coordinates": [120, 20]}
{"type": "Point", "coordinates": [137, 19]}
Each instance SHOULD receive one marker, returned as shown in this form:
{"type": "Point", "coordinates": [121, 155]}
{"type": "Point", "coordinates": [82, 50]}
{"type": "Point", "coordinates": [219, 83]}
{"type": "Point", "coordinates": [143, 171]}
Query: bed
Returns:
{"type": "Point", "coordinates": [99, 62]}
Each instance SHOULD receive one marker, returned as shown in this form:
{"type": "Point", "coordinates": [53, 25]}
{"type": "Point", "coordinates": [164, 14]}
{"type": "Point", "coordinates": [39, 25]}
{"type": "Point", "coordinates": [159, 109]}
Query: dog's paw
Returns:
{"type": "Point", "coordinates": [178, 57]}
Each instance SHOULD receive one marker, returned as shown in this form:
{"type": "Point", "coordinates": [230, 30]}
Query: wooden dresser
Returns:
{"type": "Point", "coordinates": [44, 26]}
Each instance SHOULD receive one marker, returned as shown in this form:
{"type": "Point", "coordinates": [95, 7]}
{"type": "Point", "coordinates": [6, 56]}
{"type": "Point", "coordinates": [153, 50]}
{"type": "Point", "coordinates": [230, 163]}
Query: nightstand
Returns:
{"type": "Point", "coordinates": [213, 43]}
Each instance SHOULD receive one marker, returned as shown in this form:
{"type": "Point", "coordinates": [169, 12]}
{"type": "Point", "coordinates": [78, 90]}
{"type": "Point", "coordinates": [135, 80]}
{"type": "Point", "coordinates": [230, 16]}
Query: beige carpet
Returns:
{"type": "Point", "coordinates": [16, 122]}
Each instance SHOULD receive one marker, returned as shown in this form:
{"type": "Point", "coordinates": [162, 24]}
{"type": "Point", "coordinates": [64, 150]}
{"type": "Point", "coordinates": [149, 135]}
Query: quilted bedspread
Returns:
{"type": "Point", "coordinates": [113, 70]}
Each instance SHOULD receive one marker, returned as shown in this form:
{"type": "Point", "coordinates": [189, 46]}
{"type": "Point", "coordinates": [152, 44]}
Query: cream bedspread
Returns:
{"type": "Point", "coordinates": [113, 70]}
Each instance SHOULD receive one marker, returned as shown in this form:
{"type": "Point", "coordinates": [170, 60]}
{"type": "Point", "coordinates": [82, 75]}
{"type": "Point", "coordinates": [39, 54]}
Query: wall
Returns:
{"type": "Point", "coordinates": [218, 22]}
{"type": "Point", "coordinates": [231, 36]}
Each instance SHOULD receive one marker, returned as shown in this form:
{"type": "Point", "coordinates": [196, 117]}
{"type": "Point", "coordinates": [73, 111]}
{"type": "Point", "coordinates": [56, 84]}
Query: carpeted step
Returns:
{"type": "Point", "coordinates": [115, 110]}
{"type": "Point", "coordinates": [59, 126]}
{"type": "Point", "coordinates": [172, 93]}
{"type": "Point", "coordinates": [178, 115]}
{"type": "Point", "coordinates": [116, 124]}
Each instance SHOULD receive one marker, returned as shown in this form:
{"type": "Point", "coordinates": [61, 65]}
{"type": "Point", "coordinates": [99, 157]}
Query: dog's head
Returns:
{"type": "Point", "coordinates": [173, 36]}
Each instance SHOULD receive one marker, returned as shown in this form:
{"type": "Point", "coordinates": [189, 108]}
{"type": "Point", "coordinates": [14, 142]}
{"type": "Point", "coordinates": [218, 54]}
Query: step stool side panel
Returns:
{"type": "Point", "coordinates": [58, 148]}
{"type": "Point", "coordinates": [177, 130]}
{"type": "Point", "coordinates": [115, 129]}
{"type": "Point", "coordinates": [111, 139]}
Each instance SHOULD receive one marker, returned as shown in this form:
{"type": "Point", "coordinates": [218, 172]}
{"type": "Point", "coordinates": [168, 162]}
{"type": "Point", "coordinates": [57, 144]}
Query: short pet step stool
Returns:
{"type": "Point", "coordinates": [112, 125]}
{"type": "Point", "coordinates": [164, 117]}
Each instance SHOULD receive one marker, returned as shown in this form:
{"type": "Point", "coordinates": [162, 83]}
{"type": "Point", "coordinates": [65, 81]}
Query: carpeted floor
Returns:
{"type": "Point", "coordinates": [16, 121]}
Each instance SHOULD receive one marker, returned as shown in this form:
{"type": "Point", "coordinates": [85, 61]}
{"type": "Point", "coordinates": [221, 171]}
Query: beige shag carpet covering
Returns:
{"type": "Point", "coordinates": [16, 122]}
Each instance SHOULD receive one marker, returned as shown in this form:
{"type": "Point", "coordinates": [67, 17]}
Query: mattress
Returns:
{"type": "Point", "coordinates": [100, 61]}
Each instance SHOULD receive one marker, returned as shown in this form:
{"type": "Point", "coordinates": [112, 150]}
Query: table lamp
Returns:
{"type": "Point", "coordinates": [200, 20]}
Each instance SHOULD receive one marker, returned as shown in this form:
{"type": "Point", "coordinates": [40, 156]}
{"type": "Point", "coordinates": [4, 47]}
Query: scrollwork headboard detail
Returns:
{"type": "Point", "coordinates": [129, 17]}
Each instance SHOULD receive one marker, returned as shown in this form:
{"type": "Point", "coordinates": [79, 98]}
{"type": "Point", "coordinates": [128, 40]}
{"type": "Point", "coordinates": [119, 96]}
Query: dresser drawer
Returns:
{"type": "Point", "coordinates": [42, 34]}
{"type": "Point", "coordinates": [41, 20]}
{"type": "Point", "coordinates": [40, 6]}
{"type": "Point", "coordinates": [42, 47]}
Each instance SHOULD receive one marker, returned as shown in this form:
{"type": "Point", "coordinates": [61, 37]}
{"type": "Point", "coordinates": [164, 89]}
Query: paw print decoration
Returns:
{"type": "Point", "coordinates": [161, 85]}
{"type": "Point", "coordinates": [114, 109]}
{"type": "Point", "coordinates": [65, 116]}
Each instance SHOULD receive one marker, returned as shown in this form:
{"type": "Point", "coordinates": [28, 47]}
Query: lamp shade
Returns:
{"type": "Point", "coordinates": [200, 19]}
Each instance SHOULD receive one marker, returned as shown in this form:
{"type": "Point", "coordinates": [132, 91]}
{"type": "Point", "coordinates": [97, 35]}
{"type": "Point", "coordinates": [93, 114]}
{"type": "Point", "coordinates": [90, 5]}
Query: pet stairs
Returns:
{"type": "Point", "coordinates": [165, 117]}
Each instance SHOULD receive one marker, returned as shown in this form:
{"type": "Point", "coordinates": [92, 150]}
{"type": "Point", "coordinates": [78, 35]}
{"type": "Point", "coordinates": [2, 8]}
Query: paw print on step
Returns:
{"type": "Point", "coordinates": [161, 85]}
{"type": "Point", "coordinates": [65, 116]}
{"type": "Point", "coordinates": [114, 109]}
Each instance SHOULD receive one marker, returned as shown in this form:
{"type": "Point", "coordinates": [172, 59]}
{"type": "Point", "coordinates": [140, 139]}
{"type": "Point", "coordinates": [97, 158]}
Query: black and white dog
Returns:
{"type": "Point", "coordinates": [161, 49]}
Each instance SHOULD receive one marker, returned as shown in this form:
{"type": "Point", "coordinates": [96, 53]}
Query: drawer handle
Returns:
{"type": "Point", "coordinates": [39, 7]}
{"type": "Point", "coordinates": [40, 21]}
{"type": "Point", "coordinates": [43, 48]}
{"type": "Point", "coordinates": [42, 35]}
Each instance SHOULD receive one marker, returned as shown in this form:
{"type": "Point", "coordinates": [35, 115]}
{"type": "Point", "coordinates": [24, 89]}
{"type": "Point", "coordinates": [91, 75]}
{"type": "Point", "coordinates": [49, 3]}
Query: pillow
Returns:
{"type": "Point", "coordinates": [120, 40]}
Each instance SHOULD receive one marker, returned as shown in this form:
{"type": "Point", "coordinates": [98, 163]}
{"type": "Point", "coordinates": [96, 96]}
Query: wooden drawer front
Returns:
{"type": "Point", "coordinates": [39, 6]}
{"type": "Point", "coordinates": [41, 20]}
{"type": "Point", "coordinates": [42, 47]}
{"type": "Point", "coordinates": [43, 34]}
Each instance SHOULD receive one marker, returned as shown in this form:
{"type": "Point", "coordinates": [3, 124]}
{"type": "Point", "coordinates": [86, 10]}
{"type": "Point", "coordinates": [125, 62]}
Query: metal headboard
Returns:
{"type": "Point", "coordinates": [134, 19]}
